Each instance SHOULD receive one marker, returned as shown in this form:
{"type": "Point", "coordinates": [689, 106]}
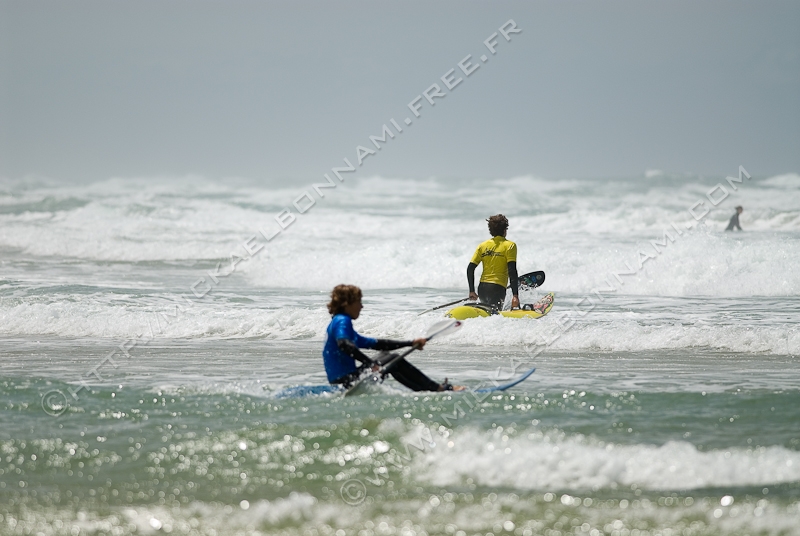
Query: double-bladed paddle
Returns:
{"type": "Point", "coordinates": [530, 280]}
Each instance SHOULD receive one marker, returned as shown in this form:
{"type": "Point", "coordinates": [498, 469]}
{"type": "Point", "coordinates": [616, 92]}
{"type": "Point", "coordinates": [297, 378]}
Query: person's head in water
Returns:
{"type": "Point", "coordinates": [498, 225]}
{"type": "Point", "coordinates": [345, 299]}
{"type": "Point", "coordinates": [739, 209]}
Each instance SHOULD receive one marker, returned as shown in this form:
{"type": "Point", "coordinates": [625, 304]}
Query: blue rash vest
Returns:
{"type": "Point", "coordinates": [338, 363]}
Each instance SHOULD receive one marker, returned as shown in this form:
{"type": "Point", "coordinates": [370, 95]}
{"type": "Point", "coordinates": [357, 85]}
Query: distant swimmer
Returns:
{"type": "Point", "coordinates": [499, 258]}
{"type": "Point", "coordinates": [342, 347]}
{"type": "Point", "coordinates": [734, 223]}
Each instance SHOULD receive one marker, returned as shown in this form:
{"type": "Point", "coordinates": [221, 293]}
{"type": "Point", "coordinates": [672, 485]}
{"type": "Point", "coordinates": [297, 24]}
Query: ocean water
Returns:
{"type": "Point", "coordinates": [143, 352]}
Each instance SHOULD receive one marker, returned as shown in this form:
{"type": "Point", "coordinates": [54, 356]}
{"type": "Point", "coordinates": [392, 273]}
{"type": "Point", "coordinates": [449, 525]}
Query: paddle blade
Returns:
{"type": "Point", "coordinates": [445, 327]}
{"type": "Point", "coordinates": [531, 280]}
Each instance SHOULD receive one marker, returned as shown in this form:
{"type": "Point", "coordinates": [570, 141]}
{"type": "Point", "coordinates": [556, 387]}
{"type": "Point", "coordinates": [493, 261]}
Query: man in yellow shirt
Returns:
{"type": "Point", "coordinates": [499, 258]}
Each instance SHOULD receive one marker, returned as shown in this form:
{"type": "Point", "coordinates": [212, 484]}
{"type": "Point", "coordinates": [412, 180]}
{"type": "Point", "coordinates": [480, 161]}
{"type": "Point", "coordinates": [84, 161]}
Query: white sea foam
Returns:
{"type": "Point", "coordinates": [95, 320]}
{"type": "Point", "coordinates": [150, 240]}
{"type": "Point", "coordinates": [541, 461]}
{"type": "Point", "coordinates": [618, 331]}
{"type": "Point", "coordinates": [295, 509]}
{"type": "Point", "coordinates": [747, 516]}
{"type": "Point", "coordinates": [192, 218]}
{"type": "Point", "coordinates": [425, 254]}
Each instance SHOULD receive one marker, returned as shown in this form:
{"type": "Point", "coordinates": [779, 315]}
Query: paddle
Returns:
{"type": "Point", "coordinates": [445, 327]}
{"type": "Point", "coordinates": [530, 280]}
{"type": "Point", "coordinates": [443, 306]}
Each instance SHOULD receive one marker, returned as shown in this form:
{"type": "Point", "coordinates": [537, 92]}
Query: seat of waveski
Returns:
{"type": "Point", "coordinates": [478, 310]}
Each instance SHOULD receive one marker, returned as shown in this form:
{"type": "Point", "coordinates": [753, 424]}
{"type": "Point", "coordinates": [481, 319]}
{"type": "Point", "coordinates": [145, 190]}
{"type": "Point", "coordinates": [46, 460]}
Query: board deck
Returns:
{"type": "Point", "coordinates": [507, 385]}
{"type": "Point", "coordinates": [364, 386]}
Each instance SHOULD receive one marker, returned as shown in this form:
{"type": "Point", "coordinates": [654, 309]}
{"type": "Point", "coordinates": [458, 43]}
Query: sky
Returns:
{"type": "Point", "coordinates": [284, 91]}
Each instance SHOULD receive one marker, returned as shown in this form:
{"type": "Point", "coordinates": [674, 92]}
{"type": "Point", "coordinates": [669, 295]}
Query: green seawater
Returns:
{"type": "Point", "coordinates": [666, 399]}
{"type": "Point", "coordinates": [191, 438]}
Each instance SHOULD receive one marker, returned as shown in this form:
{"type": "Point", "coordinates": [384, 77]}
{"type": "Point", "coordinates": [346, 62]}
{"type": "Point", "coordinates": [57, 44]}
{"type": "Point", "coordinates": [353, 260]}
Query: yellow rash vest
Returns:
{"type": "Point", "coordinates": [495, 254]}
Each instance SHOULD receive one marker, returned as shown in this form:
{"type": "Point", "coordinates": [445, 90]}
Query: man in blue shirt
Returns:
{"type": "Point", "coordinates": [342, 347]}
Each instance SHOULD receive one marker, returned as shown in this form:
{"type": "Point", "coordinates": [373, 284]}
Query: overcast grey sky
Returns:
{"type": "Point", "coordinates": [286, 90]}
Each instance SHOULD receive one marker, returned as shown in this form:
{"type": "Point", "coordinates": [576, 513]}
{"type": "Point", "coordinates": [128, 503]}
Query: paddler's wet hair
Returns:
{"type": "Point", "coordinates": [342, 296]}
{"type": "Point", "coordinates": [498, 224]}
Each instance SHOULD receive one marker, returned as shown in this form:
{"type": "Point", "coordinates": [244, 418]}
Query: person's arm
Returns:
{"type": "Point", "coordinates": [349, 341]}
{"type": "Point", "coordinates": [514, 278]}
{"type": "Point", "coordinates": [349, 347]}
{"type": "Point", "coordinates": [737, 223]}
{"type": "Point", "coordinates": [471, 280]}
{"type": "Point", "coordinates": [511, 263]}
{"type": "Point", "coordinates": [387, 344]}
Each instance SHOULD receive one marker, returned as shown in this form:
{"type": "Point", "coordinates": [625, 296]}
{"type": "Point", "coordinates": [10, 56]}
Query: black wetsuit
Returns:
{"type": "Point", "coordinates": [734, 223]}
{"type": "Point", "coordinates": [492, 294]}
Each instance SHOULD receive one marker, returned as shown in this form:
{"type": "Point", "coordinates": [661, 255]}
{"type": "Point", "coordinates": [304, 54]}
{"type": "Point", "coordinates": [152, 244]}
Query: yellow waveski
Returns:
{"type": "Point", "coordinates": [476, 310]}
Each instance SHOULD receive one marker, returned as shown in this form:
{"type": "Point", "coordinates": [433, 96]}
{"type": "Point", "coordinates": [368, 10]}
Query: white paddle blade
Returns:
{"type": "Point", "coordinates": [445, 327]}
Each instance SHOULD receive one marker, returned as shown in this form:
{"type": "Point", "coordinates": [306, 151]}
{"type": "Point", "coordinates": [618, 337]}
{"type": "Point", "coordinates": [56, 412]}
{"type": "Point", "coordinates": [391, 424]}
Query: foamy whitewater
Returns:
{"type": "Point", "coordinates": [143, 347]}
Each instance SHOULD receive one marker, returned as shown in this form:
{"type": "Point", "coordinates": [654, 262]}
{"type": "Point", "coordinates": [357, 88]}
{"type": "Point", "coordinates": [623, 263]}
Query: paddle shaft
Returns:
{"type": "Point", "coordinates": [443, 306]}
